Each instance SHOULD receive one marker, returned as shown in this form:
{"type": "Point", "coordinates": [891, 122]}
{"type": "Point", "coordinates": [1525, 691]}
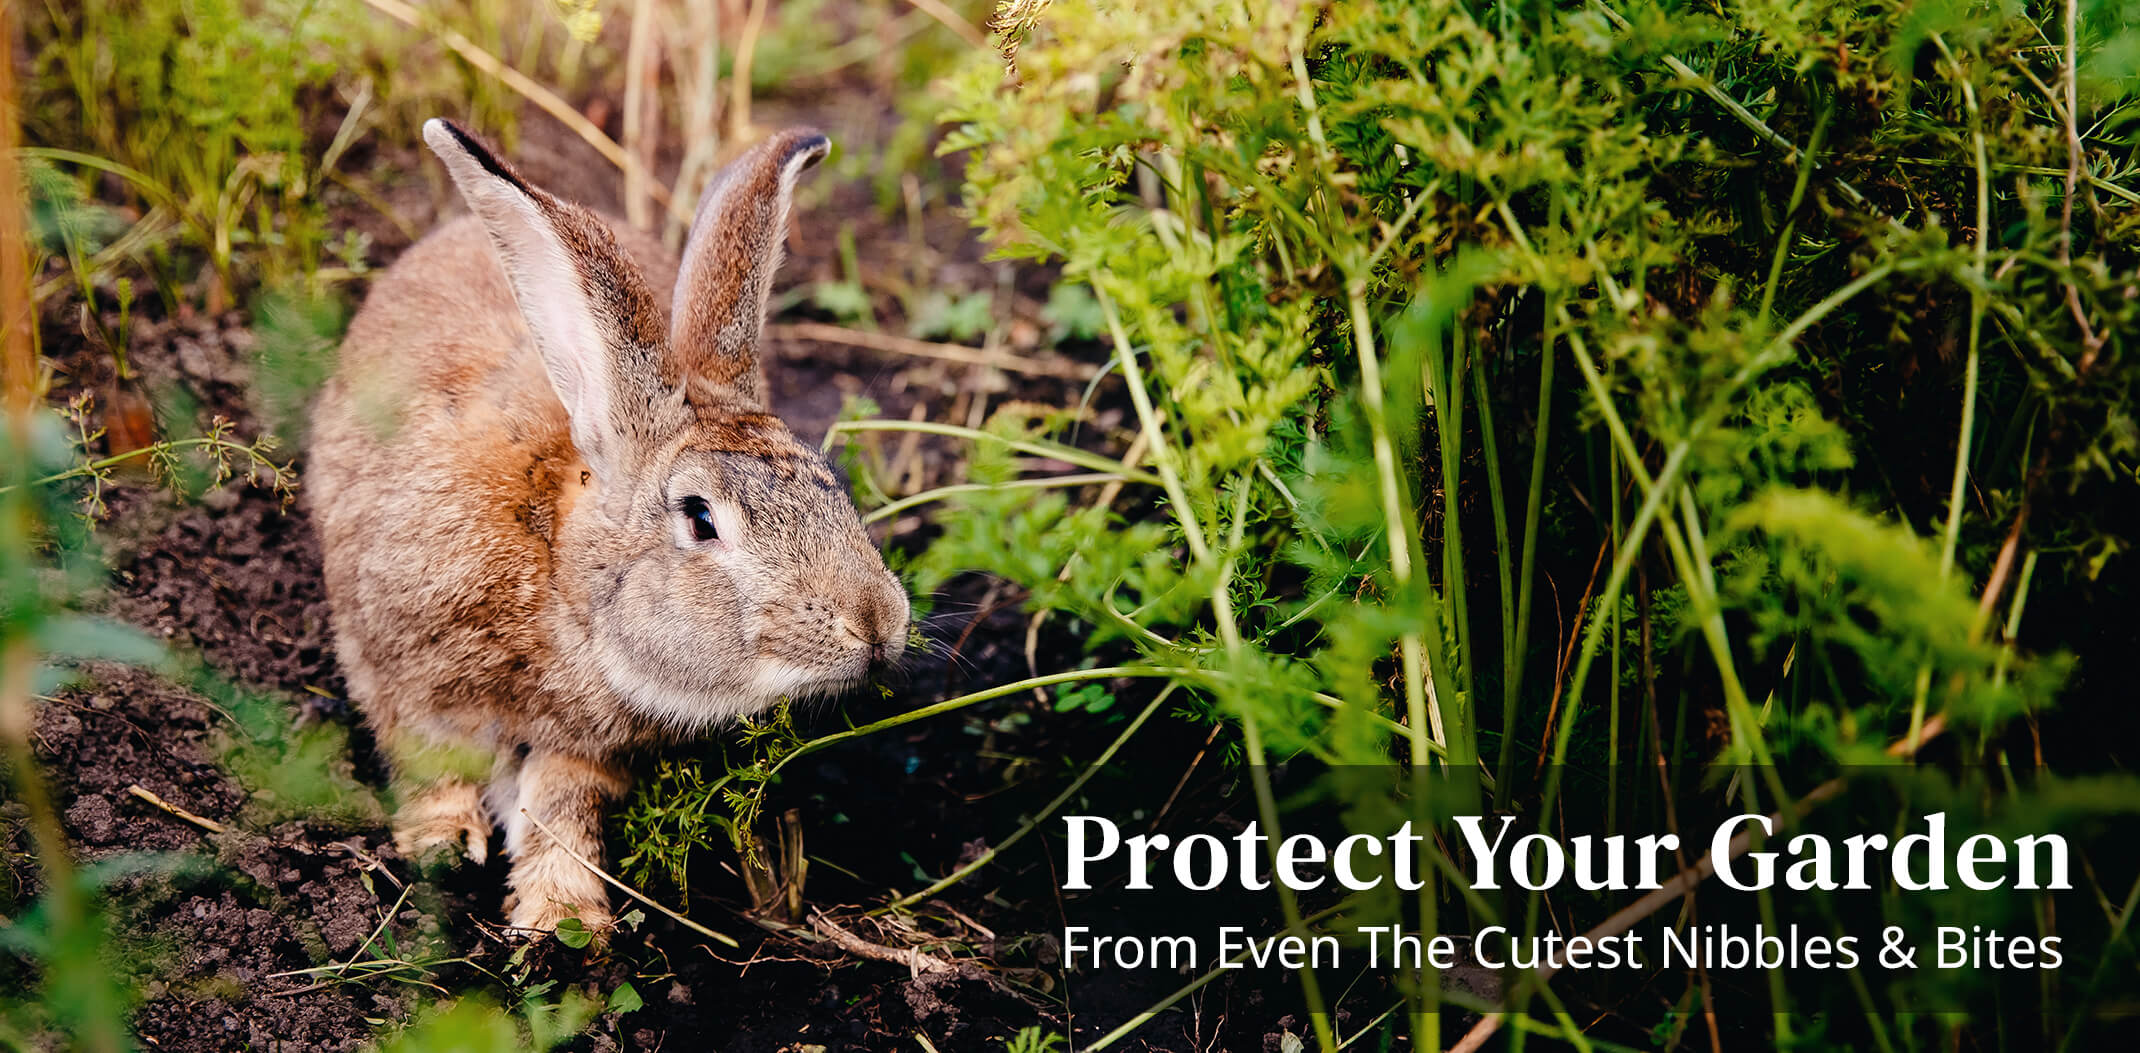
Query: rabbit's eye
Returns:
{"type": "Point", "coordinates": [701, 516]}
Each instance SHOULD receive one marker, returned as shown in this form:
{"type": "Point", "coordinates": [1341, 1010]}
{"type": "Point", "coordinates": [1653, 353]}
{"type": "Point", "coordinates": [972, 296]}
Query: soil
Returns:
{"type": "Point", "coordinates": [211, 918]}
{"type": "Point", "coordinates": [275, 933]}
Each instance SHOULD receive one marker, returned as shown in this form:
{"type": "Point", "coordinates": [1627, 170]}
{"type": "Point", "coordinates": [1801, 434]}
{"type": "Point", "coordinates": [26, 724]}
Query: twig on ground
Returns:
{"type": "Point", "coordinates": [833, 334]}
{"type": "Point", "coordinates": [919, 963]}
{"type": "Point", "coordinates": [370, 862]}
{"type": "Point", "coordinates": [201, 821]}
{"type": "Point", "coordinates": [986, 932]}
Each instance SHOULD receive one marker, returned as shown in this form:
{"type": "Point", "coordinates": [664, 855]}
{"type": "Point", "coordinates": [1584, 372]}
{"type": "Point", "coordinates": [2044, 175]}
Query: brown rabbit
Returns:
{"type": "Point", "coordinates": [560, 527]}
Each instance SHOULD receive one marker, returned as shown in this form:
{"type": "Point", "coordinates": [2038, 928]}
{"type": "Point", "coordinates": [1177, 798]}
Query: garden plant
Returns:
{"type": "Point", "coordinates": [1366, 418]}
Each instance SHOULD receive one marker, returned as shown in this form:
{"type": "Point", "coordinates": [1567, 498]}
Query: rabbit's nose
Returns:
{"type": "Point", "coordinates": [891, 622]}
{"type": "Point", "coordinates": [880, 620]}
{"type": "Point", "coordinates": [881, 648]}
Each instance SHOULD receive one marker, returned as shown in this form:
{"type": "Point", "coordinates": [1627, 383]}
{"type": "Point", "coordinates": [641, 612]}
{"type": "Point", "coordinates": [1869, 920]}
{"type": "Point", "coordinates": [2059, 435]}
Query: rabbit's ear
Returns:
{"type": "Point", "coordinates": [593, 319]}
{"type": "Point", "coordinates": [729, 260]}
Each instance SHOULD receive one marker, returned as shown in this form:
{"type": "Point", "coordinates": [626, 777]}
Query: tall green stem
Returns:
{"type": "Point", "coordinates": [1950, 538]}
{"type": "Point", "coordinates": [1498, 501]}
{"type": "Point", "coordinates": [1526, 575]}
{"type": "Point", "coordinates": [1443, 367]}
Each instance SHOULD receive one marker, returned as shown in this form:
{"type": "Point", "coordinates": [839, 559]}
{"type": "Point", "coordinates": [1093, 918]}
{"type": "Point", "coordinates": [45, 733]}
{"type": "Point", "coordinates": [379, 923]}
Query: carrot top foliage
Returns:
{"type": "Point", "coordinates": [1795, 339]}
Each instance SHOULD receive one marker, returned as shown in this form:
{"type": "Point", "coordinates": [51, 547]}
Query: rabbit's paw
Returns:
{"type": "Point", "coordinates": [444, 819]}
{"type": "Point", "coordinates": [536, 914]}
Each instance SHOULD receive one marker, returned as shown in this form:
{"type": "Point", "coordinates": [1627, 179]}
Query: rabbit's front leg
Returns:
{"type": "Point", "coordinates": [557, 816]}
{"type": "Point", "coordinates": [448, 810]}
{"type": "Point", "coordinates": [438, 784]}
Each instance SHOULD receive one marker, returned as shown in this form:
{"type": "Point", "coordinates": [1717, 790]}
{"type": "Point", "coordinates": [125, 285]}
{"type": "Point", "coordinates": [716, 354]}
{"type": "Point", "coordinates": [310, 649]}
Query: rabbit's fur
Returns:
{"type": "Point", "coordinates": [512, 473]}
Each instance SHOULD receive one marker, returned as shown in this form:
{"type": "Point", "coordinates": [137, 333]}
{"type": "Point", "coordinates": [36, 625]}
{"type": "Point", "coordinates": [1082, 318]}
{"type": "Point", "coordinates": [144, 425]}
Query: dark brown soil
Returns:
{"type": "Point", "coordinates": [214, 916]}
{"type": "Point", "coordinates": [242, 585]}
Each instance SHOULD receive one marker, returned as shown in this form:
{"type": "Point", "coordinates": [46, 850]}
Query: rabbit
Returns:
{"type": "Point", "coordinates": [560, 526]}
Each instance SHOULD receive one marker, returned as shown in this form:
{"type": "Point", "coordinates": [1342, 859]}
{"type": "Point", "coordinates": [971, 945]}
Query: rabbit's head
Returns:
{"type": "Point", "coordinates": [722, 564]}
